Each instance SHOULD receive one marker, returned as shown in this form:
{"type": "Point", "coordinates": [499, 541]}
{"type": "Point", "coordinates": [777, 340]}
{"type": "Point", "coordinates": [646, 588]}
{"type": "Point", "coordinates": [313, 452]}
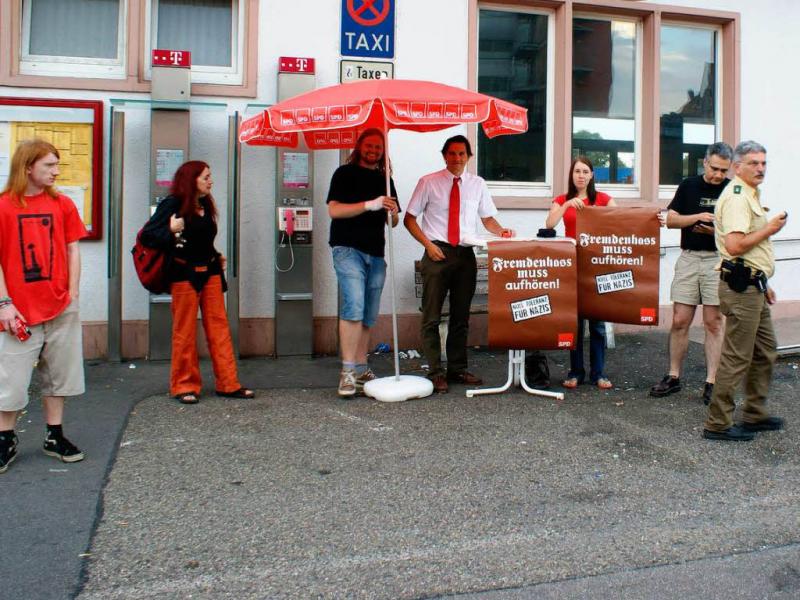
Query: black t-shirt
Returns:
{"type": "Point", "coordinates": [694, 195]}
{"type": "Point", "coordinates": [351, 184]}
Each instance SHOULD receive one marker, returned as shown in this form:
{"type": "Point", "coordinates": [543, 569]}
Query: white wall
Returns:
{"type": "Point", "coordinates": [431, 43]}
{"type": "Point", "coordinates": [769, 42]}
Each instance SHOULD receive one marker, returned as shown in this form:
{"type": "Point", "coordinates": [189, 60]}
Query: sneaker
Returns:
{"type": "Point", "coordinates": [347, 383]}
{"type": "Point", "coordinates": [366, 376]}
{"type": "Point", "coordinates": [62, 449]}
{"type": "Point", "coordinates": [665, 387]}
{"type": "Point", "coordinates": [734, 433]}
{"type": "Point", "coordinates": [768, 424]}
{"type": "Point", "coordinates": [708, 390]}
{"type": "Point", "coordinates": [8, 450]}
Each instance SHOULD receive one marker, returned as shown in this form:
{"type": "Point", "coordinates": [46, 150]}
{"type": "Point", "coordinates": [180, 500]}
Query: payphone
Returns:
{"type": "Point", "coordinates": [294, 210]}
{"type": "Point", "coordinates": [169, 149]}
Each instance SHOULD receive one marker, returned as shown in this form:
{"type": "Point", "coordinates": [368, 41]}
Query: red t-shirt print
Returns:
{"type": "Point", "coordinates": [33, 253]}
{"type": "Point", "coordinates": [36, 246]}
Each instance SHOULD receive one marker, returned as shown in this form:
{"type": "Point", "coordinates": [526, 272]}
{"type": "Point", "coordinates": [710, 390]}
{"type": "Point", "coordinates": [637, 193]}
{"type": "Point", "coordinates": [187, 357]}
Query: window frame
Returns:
{"type": "Point", "coordinates": [232, 75]}
{"type": "Point", "coordinates": [135, 60]}
{"type": "Point", "coordinates": [523, 189]}
{"type": "Point", "coordinates": [623, 190]}
{"type": "Point", "coordinates": [650, 15]}
{"type": "Point", "coordinates": [59, 65]}
{"type": "Point", "coordinates": [667, 191]}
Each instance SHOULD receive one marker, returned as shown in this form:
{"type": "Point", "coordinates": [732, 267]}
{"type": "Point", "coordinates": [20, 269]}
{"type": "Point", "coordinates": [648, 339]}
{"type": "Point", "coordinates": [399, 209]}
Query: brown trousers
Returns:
{"type": "Point", "coordinates": [748, 352]}
{"type": "Point", "coordinates": [185, 367]}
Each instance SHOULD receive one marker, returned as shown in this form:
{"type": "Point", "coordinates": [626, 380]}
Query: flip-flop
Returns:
{"type": "Point", "coordinates": [570, 383]}
{"type": "Point", "coordinates": [187, 398]}
{"type": "Point", "coordinates": [604, 384]}
{"type": "Point", "coordinates": [242, 392]}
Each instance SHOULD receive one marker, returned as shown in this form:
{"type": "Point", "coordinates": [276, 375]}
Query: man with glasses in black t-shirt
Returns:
{"type": "Point", "coordinates": [696, 279]}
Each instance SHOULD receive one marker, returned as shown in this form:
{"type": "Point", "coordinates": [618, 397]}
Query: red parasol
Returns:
{"type": "Point", "coordinates": [331, 118]}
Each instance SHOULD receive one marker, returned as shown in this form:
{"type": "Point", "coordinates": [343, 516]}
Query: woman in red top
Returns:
{"type": "Point", "coordinates": [185, 223]}
{"type": "Point", "coordinates": [580, 193]}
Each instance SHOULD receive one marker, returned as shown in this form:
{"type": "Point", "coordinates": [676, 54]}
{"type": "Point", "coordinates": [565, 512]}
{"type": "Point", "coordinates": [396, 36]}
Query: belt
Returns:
{"type": "Point", "coordinates": [196, 268]}
{"type": "Point", "coordinates": [446, 245]}
{"type": "Point", "coordinates": [758, 281]}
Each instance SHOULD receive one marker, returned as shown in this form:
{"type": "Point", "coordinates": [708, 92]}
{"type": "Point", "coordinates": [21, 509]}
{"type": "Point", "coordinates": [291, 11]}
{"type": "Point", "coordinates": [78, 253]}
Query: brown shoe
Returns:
{"type": "Point", "coordinates": [439, 383]}
{"type": "Point", "coordinates": [464, 377]}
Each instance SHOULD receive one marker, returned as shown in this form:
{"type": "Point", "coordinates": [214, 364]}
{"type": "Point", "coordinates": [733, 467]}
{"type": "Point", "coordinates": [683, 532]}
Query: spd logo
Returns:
{"type": "Point", "coordinates": [647, 315]}
{"type": "Point", "coordinates": [566, 340]}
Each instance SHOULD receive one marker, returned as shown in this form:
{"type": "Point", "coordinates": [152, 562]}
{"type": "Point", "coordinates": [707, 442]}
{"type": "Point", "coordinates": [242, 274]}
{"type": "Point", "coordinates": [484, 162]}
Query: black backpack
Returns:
{"type": "Point", "coordinates": [537, 372]}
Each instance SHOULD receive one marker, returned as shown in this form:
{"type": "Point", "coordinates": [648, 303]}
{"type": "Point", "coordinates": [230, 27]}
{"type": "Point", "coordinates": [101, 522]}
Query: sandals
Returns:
{"type": "Point", "coordinates": [604, 384]}
{"type": "Point", "coordinates": [187, 398]}
{"type": "Point", "coordinates": [570, 383]}
{"type": "Point", "coordinates": [242, 392]}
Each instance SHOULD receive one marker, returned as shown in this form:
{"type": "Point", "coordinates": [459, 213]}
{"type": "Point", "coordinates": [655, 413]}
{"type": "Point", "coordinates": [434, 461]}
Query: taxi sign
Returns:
{"type": "Point", "coordinates": [361, 70]}
{"type": "Point", "coordinates": [367, 28]}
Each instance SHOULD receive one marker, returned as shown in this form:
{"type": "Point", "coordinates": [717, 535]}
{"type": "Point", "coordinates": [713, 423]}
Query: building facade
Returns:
{"type": "Point", "coordinates": [641, 87]}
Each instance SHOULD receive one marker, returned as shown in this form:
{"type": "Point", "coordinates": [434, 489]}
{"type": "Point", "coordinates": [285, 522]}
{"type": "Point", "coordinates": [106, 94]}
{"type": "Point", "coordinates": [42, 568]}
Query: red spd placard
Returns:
{"type": "Point", "coordinates": [532, 294]}
{"type": "Point", "coordinates": [619, 264]}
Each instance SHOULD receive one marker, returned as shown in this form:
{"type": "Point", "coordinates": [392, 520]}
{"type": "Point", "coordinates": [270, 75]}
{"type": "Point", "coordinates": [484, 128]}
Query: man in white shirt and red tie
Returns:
{"type": "Point", "coordinates": [451, 202]}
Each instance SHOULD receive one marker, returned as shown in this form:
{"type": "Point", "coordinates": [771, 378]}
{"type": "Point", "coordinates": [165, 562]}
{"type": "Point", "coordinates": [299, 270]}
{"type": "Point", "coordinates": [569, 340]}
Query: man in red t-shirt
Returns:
{"type": "Point", "coordinates": [40, 270]}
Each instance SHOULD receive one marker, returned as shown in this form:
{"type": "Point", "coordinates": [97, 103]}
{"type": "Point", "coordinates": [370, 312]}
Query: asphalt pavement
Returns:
{"type": "Point", "coordinates": [298, 494]}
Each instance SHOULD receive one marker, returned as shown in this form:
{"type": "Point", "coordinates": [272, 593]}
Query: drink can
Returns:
{"type": "Point", "coordinates": [23, 331]}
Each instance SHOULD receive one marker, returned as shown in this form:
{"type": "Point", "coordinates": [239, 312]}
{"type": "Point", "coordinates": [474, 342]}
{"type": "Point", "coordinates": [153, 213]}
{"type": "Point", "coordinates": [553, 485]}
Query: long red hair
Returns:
{"type": "Point", "coordinates": [25, 156]}
{"type": "Point", "coordinates": [184, 188]}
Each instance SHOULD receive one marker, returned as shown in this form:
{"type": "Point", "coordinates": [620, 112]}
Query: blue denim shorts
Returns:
{"type": "Point", "coordinates": [361, 278]}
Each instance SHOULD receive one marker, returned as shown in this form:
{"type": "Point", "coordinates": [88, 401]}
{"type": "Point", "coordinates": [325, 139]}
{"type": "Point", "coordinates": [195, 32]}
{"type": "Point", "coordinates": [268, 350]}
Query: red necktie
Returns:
{"type": "Point", "coordinates": [453, 228]}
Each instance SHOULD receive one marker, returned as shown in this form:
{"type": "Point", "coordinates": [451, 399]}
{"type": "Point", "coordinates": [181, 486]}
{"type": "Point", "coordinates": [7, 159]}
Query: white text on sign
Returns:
{"type": "Point", "coordinates": [374, 42]}
{"type": "Point", "coordinates": [614, 282]}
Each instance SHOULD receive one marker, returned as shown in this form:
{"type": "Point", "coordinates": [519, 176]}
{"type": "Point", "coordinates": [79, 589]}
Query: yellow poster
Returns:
{"type": "Point", "coordinates": [74, 144]}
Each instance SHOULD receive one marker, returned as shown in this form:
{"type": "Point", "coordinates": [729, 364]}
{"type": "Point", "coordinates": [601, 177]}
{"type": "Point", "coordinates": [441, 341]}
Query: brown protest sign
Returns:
{"type": "Point", "coordinates": [532, 294]}
{"type": "Point", "coordinates": [618, 264]}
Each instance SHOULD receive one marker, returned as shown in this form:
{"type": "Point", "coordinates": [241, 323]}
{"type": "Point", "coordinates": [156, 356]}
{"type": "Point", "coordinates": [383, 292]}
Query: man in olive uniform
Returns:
{"type": "Point", "coordinates": [748, 261]}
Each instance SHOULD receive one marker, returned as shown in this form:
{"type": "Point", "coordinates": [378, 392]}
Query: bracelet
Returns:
{"type": "Point", "coordinates": [5, 300]}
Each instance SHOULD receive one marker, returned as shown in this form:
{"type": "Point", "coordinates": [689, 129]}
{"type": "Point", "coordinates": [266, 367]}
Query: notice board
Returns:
{"type": "Point", "coordinates": [75, 128]}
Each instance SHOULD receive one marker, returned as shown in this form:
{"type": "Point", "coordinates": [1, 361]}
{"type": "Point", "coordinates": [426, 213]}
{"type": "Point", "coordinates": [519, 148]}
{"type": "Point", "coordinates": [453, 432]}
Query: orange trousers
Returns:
{"type": "Point", "coordinates": [185, 369]}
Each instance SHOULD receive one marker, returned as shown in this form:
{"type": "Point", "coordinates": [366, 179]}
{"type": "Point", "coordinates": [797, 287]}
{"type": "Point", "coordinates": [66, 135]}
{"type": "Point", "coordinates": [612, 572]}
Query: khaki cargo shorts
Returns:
{"type": "Point", "coordinates": [57, 345]}
{"type": "Point", "coordinates": [696, 279]}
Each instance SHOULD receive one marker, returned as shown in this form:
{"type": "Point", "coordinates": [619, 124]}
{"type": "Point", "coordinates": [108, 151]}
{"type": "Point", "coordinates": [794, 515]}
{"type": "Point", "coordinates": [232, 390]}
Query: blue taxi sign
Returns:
{"type": "Point", "coordinates": [368, 28]}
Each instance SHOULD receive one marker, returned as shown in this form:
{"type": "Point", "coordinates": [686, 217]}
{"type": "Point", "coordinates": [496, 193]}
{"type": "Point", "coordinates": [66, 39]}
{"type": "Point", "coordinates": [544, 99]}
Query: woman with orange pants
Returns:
{"type": "Point", "coordinates": [185, 223]}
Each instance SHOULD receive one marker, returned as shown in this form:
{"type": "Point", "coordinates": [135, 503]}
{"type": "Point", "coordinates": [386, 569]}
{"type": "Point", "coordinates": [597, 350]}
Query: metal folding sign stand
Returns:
{"type": "Point", "coordinates": [516, 376]}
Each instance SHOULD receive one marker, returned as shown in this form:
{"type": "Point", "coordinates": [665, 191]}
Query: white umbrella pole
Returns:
{"type": "Point", "coordinates": [391, 257]}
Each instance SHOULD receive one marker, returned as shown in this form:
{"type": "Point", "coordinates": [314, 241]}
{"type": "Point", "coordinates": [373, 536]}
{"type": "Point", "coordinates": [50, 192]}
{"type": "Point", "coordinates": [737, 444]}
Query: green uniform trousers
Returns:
{"type": "Point", "coordinates": [748, 352]}
{"type": "Point", "coordinates": [455, 275]}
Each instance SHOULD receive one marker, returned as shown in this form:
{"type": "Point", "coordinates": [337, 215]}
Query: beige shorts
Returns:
{"type": "Point", "coordinates": [696, 279]}
{"type": "Point", "coordinates": [57, 345]}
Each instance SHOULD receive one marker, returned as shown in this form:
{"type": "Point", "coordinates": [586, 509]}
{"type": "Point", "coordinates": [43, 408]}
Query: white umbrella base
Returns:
{"type": "Point", "coordinates": [398, 389]}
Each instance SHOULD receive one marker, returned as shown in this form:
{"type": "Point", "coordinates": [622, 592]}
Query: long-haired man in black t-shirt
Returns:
{"type": "Point", "coordinates": [696, 279]}
{"type": "Point", "coordinates": [357, 205]}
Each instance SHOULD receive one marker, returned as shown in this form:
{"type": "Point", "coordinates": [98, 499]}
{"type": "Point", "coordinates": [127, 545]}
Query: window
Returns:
{"type": "Point", "coordinates": [73, 38]}
{"type": "Point", "coordinates": [604, 72]}
{"type": "Point", "coordinates": [688, 123]}
{"type": "Point", "coordinates": [209, 29]}
{"type": "Point", "coordinates": [513, 65]}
